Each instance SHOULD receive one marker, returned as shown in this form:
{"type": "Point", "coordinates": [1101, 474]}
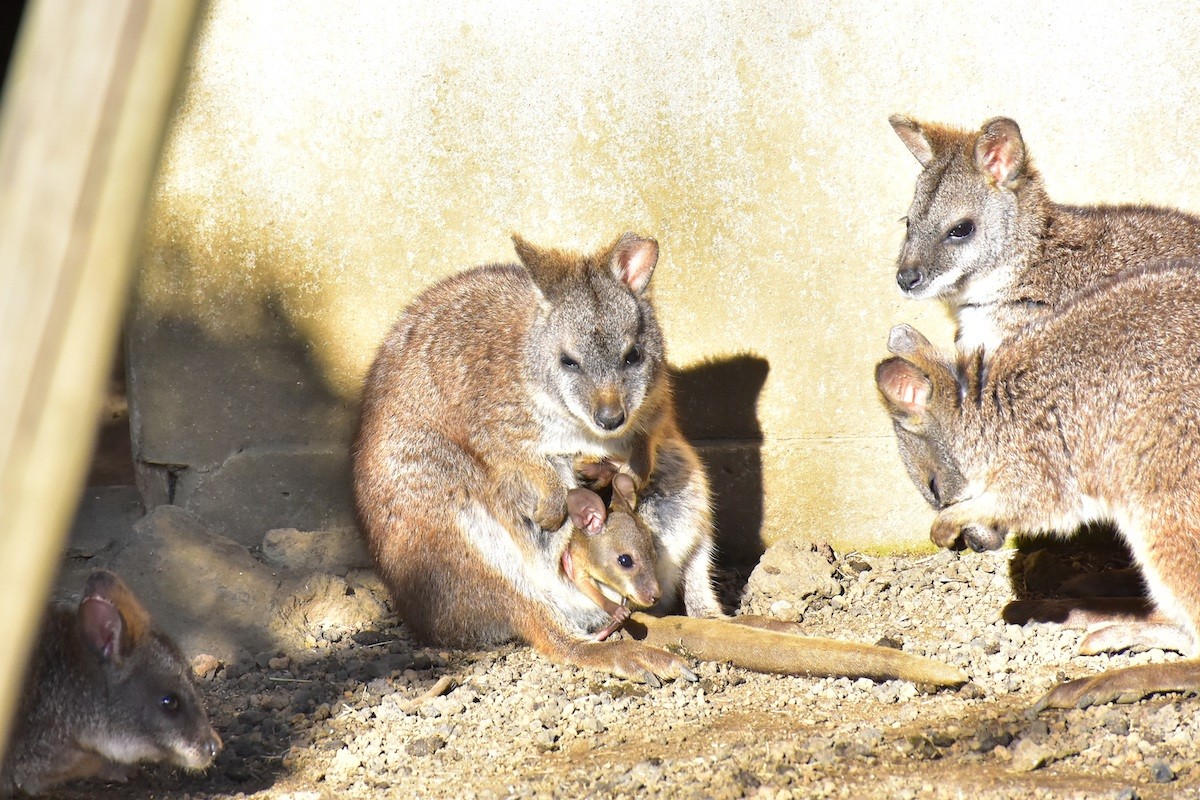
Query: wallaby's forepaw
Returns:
{"type": "Point", "coordinates": [635, 661]}
{"type": "Point", "coordinates": [1114, 637]}
{"type": "Point", "coordinates": [551, 510]}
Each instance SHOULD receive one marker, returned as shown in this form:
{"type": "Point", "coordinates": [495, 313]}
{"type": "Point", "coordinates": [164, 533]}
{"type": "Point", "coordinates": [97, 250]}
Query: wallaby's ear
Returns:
{"type": "Point", "coordinates": [909, 131]}
{"type": "Point", "coordinates": [1000, 151]}
{"type": "Point", "coordinates": [111, 620]}
{"type": "Point", "coordinates": [624, 493]}
{"type": "Point", "coordinates": [906, 391]}
{"type": "Point", "coordinates": [549, 268]}
{"type": "Point", "coordinates": [632, 260]}
{"type": "Point", "coordinates": [905, 340]}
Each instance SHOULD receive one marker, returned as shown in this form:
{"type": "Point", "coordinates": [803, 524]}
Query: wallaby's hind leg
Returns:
{"type": "Point", "coordinates": [628, 659]}
{"type": "Point", "coordinates": [1126, 685]}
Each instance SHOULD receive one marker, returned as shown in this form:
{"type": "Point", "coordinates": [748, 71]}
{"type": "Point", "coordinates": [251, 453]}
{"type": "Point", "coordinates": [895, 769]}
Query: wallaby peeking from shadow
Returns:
{"type": "Point", "coordinates": [105, 690]}
{"type": "Point", "coordinates": [1090, 414]}
{"type": "Point", "coordinates": [984, 236]}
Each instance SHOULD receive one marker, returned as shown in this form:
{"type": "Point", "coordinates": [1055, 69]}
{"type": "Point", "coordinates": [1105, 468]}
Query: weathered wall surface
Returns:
{"type": "Point", "coordinates": [331, 160]}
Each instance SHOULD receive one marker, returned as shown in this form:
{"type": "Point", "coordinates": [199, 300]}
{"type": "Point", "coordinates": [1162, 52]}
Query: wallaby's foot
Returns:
{"type": "Point", "coordinates": [1113, 637]}
{"type": "Point", "coordinates": [1126, 582]}
{"type": "Point", "coordinates": [768, 624]}
{"type": "Point", "coordinates": [632, 660]}
{"type": "Point", "coordinates": [1081, 612]}
{"type": "Point", "coordinates": [1126, 685]}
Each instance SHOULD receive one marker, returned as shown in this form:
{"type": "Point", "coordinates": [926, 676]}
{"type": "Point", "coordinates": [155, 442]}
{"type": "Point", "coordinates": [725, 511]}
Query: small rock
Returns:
{"type": "Point", "coordinates": [205, 666]}
{"type": "Point", "coordinates": [1028, 755]}
{"type": "Point", "coordinates": [1161, 771]}
{"type": "Point", "coordinates": [425, 746]}
{"type": "Point", "coordinates": [280, 663]}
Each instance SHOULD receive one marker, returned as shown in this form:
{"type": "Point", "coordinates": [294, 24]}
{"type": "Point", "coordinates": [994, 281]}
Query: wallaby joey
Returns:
{"type": "Point", "coordinates": [105, 690]}
{"type": "Point", "coordinates": [611, 553]}
{"type": "Point", "coordinates": [478, 401]}
{"type": "Point", "coordinates": [984, 236]}
{"type": "Point", "coordinates": [1089, 414]}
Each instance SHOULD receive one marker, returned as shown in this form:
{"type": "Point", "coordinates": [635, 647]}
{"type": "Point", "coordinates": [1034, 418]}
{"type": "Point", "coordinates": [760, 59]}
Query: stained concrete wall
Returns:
{"type": "Point", "coordinates": [332, 159]}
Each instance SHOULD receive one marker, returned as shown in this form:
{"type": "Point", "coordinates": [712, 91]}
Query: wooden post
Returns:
{"type": "Point", "coordinates": [89, 94]}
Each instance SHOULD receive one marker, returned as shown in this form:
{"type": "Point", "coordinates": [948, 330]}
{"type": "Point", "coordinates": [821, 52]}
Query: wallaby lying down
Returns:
{"type": "Point", "coordinates": [105, 690]}
{"type": "Point", "coordinates": [984, 235]}
{"type": "Point", "coordinates": [1090, 414]}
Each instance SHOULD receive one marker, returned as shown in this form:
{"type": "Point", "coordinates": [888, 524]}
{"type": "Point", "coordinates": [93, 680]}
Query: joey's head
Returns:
{"type": "Point", "coordinates": [151, 710]}
{"type": "Point", "coordinates": [920, 392]}
{"type": "Point", "coordinates": [623, 558]}
{"type": "Point", "coordinates": [596, 349]}
{"type": "Point", "coordinates": [974, 208]}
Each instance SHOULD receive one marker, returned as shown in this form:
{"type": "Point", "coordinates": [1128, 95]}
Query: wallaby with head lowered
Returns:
{"type": "Point", "coordinates": [1090, 414]}
{"type": "Point", "coordinates": [985, 237]}
{"type": "Point", "coordinates": [105, 690]}
{"type": "Point", "coordinates": [479, 400]}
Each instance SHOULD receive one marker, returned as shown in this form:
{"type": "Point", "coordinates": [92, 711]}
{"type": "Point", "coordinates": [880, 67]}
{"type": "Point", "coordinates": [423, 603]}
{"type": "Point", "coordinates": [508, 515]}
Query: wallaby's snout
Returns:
{"type": "Point", "coordinates": [910, 278]}
{"type": "Point", "coordinates": [608, 409]}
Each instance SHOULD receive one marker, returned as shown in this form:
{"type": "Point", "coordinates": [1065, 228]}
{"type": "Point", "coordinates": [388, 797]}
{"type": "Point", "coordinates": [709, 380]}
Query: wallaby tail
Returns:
{"type": "Point", "coordinates": [786, 653]}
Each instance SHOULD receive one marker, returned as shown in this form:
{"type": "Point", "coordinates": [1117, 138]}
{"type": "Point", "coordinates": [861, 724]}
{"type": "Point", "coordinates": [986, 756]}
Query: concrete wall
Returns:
{"type": "Point", "coordinates": [332, 159]}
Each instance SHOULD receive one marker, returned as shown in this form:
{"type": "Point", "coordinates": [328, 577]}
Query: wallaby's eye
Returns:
{"type": "Point", "coordinates": [633, 356]}
{"type": "Point", "coordinates": [933, 490]}
{"type": "Point", "coordinates": [568, 363]}
{"type": "Point", "coordinates": [169, 703]}
{"type": "Point", "coordinates": [962, 230]}
{"type": "Point", "coordinates": [625, 560]}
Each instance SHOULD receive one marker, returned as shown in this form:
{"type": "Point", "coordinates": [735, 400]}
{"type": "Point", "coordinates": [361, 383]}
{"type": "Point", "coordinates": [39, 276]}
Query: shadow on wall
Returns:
{"type": "Point", "coordinates": [718, 411]}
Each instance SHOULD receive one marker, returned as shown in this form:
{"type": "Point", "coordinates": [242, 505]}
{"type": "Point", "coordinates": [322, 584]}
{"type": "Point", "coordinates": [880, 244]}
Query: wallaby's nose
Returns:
{"type": "Point", "coordinates": [213, 745]}
{"type": "Point", "coordinates": [909, 279]}
{"type": "Point", "coordinates": [610, 417]}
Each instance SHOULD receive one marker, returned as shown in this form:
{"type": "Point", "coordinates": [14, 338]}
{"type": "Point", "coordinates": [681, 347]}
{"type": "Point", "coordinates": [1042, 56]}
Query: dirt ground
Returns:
{"type": "Point", "coordinates": [369, 713]}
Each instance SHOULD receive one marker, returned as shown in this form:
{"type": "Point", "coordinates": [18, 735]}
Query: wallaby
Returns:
{"type": "Point", "coordinates": [492, 385]}
{"type": "Point", "coordinates": [105, 690]}
{"type": "Point", "coordinates": [984, 235]}
{"type": "Point", "coordinates": [1089, 414]}
{"type": "Point", "coordinates": [611, 550]}
{"type": "Point", "coordinates": [478, 401]}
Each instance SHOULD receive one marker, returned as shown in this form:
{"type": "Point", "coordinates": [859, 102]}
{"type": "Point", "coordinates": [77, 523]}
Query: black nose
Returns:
{"type": "Point", "coordinates": [610, 418]}
{"type": "Point", "coordinates": [909, 279]}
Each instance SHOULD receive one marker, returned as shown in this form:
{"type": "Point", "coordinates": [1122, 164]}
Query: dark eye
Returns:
{"type": "Point", "coordinates": [625, 560]}
{"type": "Point", "coordinates": [933, 490]}
{"type": "Point", "coordinates": [633, 357]}
{"type": "Point", "coordinates": [568, 363]}
{"type": "Point", "coordinates": [169, 703]}
{"type": "Point", "coordinates": [961, 231]}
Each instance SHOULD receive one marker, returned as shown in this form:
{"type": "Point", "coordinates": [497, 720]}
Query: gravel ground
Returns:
{"type": "Point", "coordinates": [346, 718]}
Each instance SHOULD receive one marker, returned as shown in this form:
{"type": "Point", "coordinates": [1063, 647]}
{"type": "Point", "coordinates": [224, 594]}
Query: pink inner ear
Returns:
{"type": "Point", "coordinates": [999, 158]}
{"type": "Point", "coordinates": [636, 263]}
{"type": "Point", "coordinates": [905, 386]}
{"type": "Point", "coordinates": [100, 623]}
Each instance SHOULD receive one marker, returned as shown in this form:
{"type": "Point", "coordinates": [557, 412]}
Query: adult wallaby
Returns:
{"type": "Point", "coordinates": [479, 400]}
{"type": "Point", "coordinates": [105, 690]}
{"type": "Point", "coordinates": [984, 235]}
{"type": "Point", "coordinates": [1091, 413]}
{"type": "Point", "coordinates": [490, 388]}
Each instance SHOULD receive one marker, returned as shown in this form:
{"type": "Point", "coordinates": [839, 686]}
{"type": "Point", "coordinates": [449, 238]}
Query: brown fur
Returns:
{"type": "Point", "coordinates": [478, 401]}
{"type": "Point", "coordinates": [1027, 255]}
{"type": "Point", "coordinates": [1090, 414]}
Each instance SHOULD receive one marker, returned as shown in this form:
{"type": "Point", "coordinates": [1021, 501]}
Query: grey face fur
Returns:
{"type": "Point", "coordinates": [154, 713]}
{"type": "Point", "coordinates": [597, 349]}
{"type": "Point", "coordinates": [963, 217]}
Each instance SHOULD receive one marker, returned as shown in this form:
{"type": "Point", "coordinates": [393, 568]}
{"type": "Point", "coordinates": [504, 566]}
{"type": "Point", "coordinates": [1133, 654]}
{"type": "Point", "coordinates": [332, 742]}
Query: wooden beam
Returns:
{"type": "Point", "coordinates": [85, 108]}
